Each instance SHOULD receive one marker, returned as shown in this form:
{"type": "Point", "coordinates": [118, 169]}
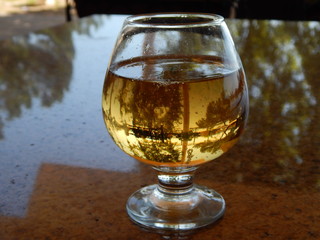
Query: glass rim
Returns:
{"type": "Point", "coordinates": [174, 19]}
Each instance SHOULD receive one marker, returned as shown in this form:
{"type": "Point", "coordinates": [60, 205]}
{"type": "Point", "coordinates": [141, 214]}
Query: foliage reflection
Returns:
{"type": "Point", "coordinates": [37, 66]}
{"type": "Point", "coordinates": [282, 65]}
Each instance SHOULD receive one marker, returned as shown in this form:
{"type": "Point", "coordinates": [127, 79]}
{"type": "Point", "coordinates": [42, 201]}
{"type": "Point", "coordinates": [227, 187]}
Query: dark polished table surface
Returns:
{"type": "Point", "coordinates": [62, 177]}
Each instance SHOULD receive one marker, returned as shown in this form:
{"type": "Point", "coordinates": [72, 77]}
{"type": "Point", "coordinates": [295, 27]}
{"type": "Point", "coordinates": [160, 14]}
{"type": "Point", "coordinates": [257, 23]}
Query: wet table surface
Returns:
{"type": "Point", "coordinates": [62, 177]}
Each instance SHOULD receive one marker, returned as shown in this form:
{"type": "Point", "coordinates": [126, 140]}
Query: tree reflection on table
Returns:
{"type": "Point", "coordinates": [37, 65]}
{"type": "Point", "coordinates": [281, 60]}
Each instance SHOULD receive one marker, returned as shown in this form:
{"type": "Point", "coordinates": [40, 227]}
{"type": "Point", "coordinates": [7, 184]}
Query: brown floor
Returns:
{"type": "Point", "coordinates": [20, 19]}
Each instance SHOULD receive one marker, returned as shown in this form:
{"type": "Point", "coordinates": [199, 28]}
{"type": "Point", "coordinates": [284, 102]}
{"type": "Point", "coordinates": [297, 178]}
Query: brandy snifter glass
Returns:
{"type": "Point", "coordinates": [175, 97]}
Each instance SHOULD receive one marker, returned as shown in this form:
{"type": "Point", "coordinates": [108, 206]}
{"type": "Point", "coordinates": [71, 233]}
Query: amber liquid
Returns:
{"type": "Point", "coordinates": [174, 111]}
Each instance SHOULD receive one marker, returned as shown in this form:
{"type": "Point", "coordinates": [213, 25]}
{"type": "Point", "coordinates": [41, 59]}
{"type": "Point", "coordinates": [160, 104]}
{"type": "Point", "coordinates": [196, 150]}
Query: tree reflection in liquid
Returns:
{"type": "Point", "coordinates": [173, 121]}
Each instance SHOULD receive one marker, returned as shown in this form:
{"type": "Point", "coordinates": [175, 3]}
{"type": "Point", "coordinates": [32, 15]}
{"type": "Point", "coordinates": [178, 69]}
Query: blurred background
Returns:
{"type": "Point", "coordinates": [22, 16]}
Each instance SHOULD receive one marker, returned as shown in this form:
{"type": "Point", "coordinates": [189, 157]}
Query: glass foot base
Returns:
{"type": "Point", "coordinates": [152, 208]}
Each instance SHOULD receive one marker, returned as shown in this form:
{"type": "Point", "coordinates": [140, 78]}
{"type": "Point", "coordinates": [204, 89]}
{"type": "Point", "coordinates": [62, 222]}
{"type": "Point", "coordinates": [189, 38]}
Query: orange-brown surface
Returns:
{"type": "Point", "coordinates": [79, 203]}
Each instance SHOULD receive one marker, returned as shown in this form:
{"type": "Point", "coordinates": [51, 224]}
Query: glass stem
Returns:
{"type": "Point", "coordinates": [175, 181]}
